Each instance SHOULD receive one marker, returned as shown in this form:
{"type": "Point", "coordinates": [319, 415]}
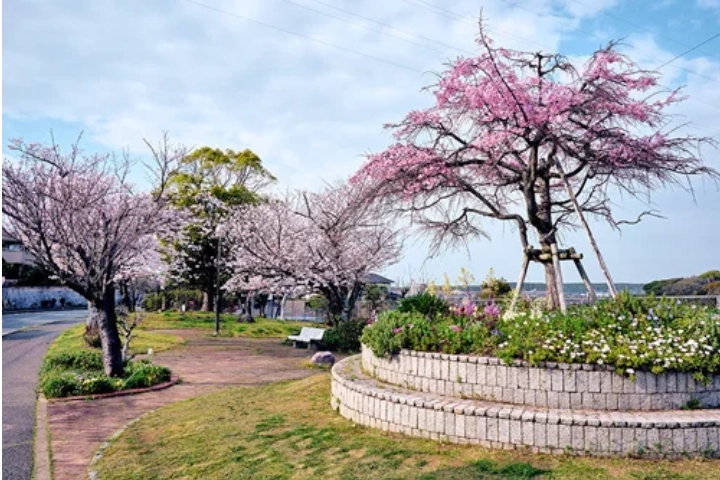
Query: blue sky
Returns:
{"type": "Point", "coordinates": [122, 71]}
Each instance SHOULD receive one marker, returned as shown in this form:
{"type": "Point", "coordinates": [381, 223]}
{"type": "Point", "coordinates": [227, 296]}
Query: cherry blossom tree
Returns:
{"type": "Point", "coordinates": [326, 242]}
{"type": "Point", "coordinates": [84, 222]}
{"type": "Point", "coordinates": [532, 140]}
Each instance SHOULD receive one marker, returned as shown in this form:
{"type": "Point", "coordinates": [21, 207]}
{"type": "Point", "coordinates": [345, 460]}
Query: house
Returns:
{"type": "Point", "coordinates": [13, 251]}
{"type": "Point", "coordinates": [375, 279]}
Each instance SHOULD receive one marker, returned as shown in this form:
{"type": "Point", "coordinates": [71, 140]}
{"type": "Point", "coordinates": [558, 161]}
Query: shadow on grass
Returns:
{"type": "Point", "coordinates": [486, 470]}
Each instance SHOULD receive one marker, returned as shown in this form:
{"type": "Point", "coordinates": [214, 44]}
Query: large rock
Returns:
{"type": "Point", "coordinates": [323, 357]}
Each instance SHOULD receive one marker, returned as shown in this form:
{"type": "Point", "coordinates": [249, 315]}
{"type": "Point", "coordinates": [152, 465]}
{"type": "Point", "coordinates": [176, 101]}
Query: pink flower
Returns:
{"type": "Point", "coordinates": [455, 328]}
{"type": "Point", "coordinates": [491, 309]}
{"type": "Point", "coordinates": [397, 330]}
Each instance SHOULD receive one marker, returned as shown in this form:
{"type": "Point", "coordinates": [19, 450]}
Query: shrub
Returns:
{"type": "Point", "coordinates": [144, 374]}
{"type": "Point", "coordinates": [60, 384]}
{"type": "Point", "coordinates": [628, 333]}
{"type": "Point", "coordinates": [152, 302]}
{"type": "Point", "coordinates": [424, 303]}
{"type": "Point", "coordinates": [344, 336]}
{"type": "Point", "coordinates": [95, 384]}
{"type": "Point", "coordinates": [82, 360]}
{"type": "Point", "coordinates": [389, 333]}
{"type": "Point", "coordinates": [712, 288]}
{"type": "Point", "coordinates": [711, 276]}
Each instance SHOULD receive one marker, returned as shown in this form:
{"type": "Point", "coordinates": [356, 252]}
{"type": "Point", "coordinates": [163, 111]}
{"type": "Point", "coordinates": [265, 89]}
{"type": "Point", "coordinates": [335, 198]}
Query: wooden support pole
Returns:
{"type": "Point", "coordinates": [583, 274]}
{"type": "Point", "coordinates": [591, 237]}
{"type": "Point", "coordinates": [521, 281]}
{"type": "Point", "coordinates": [558, 277]}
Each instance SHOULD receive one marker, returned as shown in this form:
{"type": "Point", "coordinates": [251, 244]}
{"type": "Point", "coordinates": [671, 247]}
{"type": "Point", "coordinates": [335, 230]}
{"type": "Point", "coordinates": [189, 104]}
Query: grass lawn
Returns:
{"type": "Point", "coordinates": [288, 431]}
{"type": "Point", "coordinates": [229, 326]}
{"type": "Point", "coordinates": [71, 340]}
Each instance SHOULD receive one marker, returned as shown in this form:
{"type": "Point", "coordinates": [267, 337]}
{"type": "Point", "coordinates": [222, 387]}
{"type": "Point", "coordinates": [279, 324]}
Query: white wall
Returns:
{"type": "Point", "coordinates": [30, 297]}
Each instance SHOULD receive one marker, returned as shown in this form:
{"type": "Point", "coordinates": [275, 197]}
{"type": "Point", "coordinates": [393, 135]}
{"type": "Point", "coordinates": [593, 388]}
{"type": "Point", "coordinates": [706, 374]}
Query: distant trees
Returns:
{"type": "Point", "coordinates": [206, 185]}
{"type": "Point", "coordinates": [326, 242]}
{"type": "Point", "coordinates": [707, 283]}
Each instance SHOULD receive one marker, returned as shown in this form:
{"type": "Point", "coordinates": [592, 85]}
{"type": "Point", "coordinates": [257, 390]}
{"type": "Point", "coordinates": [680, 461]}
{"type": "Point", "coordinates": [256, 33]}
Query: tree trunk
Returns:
{"type": "Point", "coordinates": [206, 302]}
{"type": "Point", "coordinates": [109, 336]}
{"type": "Point", "coordinates": [552, 300]}
{"type": "Point", "coordinates": [92, 322]}
{"type": "Point", "coordinates": [336, 305]}
{"type": "Point", "coordinates": [283, 302]}
{"type": "Point", "coordinates": [352, 297]}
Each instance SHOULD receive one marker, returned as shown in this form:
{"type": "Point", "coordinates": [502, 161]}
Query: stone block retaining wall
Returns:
{"type": "Point", "coordinates": [368, 402]}
{"type": "Point", "coordinates": [552, 385]}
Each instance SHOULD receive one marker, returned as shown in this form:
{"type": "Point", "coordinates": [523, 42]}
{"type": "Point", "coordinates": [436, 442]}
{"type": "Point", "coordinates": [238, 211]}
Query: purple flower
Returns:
{"type": "Point", "coordinates": [397, 330]}
{"type": "Point", "coordinates": [491, 309]}
{"type": "Point", "coordinates": [495, 331]}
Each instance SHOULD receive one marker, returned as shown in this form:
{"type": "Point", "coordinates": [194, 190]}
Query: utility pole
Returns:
{"type": "Point", "coordinates": [217, 286]}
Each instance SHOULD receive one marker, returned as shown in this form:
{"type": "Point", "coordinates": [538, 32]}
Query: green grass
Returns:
{"type": "Point", "coordinates": [71, 340]}
{"type": "Point", "coordinates": [229, 326]}
{"type": "Point", "coordinates": [288, 431]}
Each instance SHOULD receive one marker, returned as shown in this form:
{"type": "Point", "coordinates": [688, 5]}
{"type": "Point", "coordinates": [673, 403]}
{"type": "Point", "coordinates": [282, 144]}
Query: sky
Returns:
{"type": "Point", "coordinates": [309, 84]}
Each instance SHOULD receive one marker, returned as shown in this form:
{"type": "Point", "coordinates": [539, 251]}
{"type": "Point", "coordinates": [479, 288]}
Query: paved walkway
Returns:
{"type": "Point", "coordinates": [205, 364]}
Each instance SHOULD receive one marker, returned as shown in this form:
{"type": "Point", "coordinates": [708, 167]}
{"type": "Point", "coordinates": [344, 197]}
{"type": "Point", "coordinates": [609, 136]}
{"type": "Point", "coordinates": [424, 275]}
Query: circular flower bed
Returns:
{"type": "Point", "coordinates": [629, 333]}
{"type": "Point", "coordinates": [81, 373]}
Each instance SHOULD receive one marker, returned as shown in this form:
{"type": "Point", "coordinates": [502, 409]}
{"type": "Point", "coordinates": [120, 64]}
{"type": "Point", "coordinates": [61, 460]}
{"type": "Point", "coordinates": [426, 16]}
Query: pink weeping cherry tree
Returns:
{"type": "Point", "coordinates": [84, 222]}
{"type": "Point", "coordinates": [325, 242]}
{"type": "Point", "coordinates": [533, 140]}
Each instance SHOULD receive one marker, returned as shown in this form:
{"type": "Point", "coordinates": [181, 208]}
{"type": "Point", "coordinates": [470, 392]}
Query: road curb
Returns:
{"type": "Point", "coordinates": [174, 380]}
{"type": "Point", "coordinates": [5, 334]}
{"type": "Point", "coordinates": [42, 469]}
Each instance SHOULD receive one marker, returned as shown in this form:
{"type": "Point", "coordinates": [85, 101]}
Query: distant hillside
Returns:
{"type": "Point", "coordinates": [707, 283]}
{"type": "Point", "coordinates": [573, 288]}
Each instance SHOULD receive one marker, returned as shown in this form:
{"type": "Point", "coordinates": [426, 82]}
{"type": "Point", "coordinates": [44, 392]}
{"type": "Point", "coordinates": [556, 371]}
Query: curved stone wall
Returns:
{"type": "Point", "coordinates": [367, 401]}
{"type": "Point", "coordinates": [551, 385]}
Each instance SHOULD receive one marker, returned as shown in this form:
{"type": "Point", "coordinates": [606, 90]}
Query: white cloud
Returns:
{"type": "Point", "coordinates": [127, 70]}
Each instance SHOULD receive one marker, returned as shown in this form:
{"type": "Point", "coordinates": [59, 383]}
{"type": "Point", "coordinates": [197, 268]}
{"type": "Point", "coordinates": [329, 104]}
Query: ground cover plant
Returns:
{"type": "Point", "coordinates": [627, 332]}
{"type": "Point", "coordinates": [286, 431]}
{"type": "Point", "coordinates": [229, 325]}
{"type": "Point", "coordinates": [72, 368]}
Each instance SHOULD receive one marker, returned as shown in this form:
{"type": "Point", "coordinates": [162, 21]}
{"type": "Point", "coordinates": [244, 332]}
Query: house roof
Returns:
{"type": "Point", "coordinates": [374, 278]}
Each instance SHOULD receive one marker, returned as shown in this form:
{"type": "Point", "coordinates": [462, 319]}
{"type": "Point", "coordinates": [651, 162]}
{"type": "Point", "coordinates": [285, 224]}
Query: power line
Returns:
{"type": "Point", "coordinates": [316, 40]}
{"type": "Point", "coordinates": [470, 20]}
{"type": "Point", "coordinates": [406, 32]}
{"type": "Point", "coordinates": [637, 26]}
{"type": "Point", "coordinates": [689, 50]}
{"type": "Point", "coordinates": [319, 12]}
{"type": "Point", "coordinates": [550, 17]}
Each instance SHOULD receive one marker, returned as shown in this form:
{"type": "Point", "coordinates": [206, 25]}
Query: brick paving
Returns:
{"type": "Point", "coordinates": [204, 364]}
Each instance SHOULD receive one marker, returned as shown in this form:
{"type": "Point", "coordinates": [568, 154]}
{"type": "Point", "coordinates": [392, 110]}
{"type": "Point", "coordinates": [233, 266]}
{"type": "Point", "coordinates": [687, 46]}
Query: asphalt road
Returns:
{"type": "Point", "coordinates": [15, 321]}
{"type": "Point", "coordinates": [22, 354]}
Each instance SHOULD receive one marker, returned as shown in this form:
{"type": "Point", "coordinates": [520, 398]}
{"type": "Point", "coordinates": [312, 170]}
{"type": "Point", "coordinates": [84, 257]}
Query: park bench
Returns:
{"type": "Point", "coordinates": [308, 336]}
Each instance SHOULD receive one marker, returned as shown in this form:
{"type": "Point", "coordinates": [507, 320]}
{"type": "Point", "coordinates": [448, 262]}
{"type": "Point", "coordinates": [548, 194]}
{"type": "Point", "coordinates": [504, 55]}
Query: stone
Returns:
{"type": "Point", "coordinates": [321, 358]}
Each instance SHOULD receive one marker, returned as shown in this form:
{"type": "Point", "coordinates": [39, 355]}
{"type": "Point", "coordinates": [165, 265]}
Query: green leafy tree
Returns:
{"type": "Point", "coordinates": [206, 185]}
